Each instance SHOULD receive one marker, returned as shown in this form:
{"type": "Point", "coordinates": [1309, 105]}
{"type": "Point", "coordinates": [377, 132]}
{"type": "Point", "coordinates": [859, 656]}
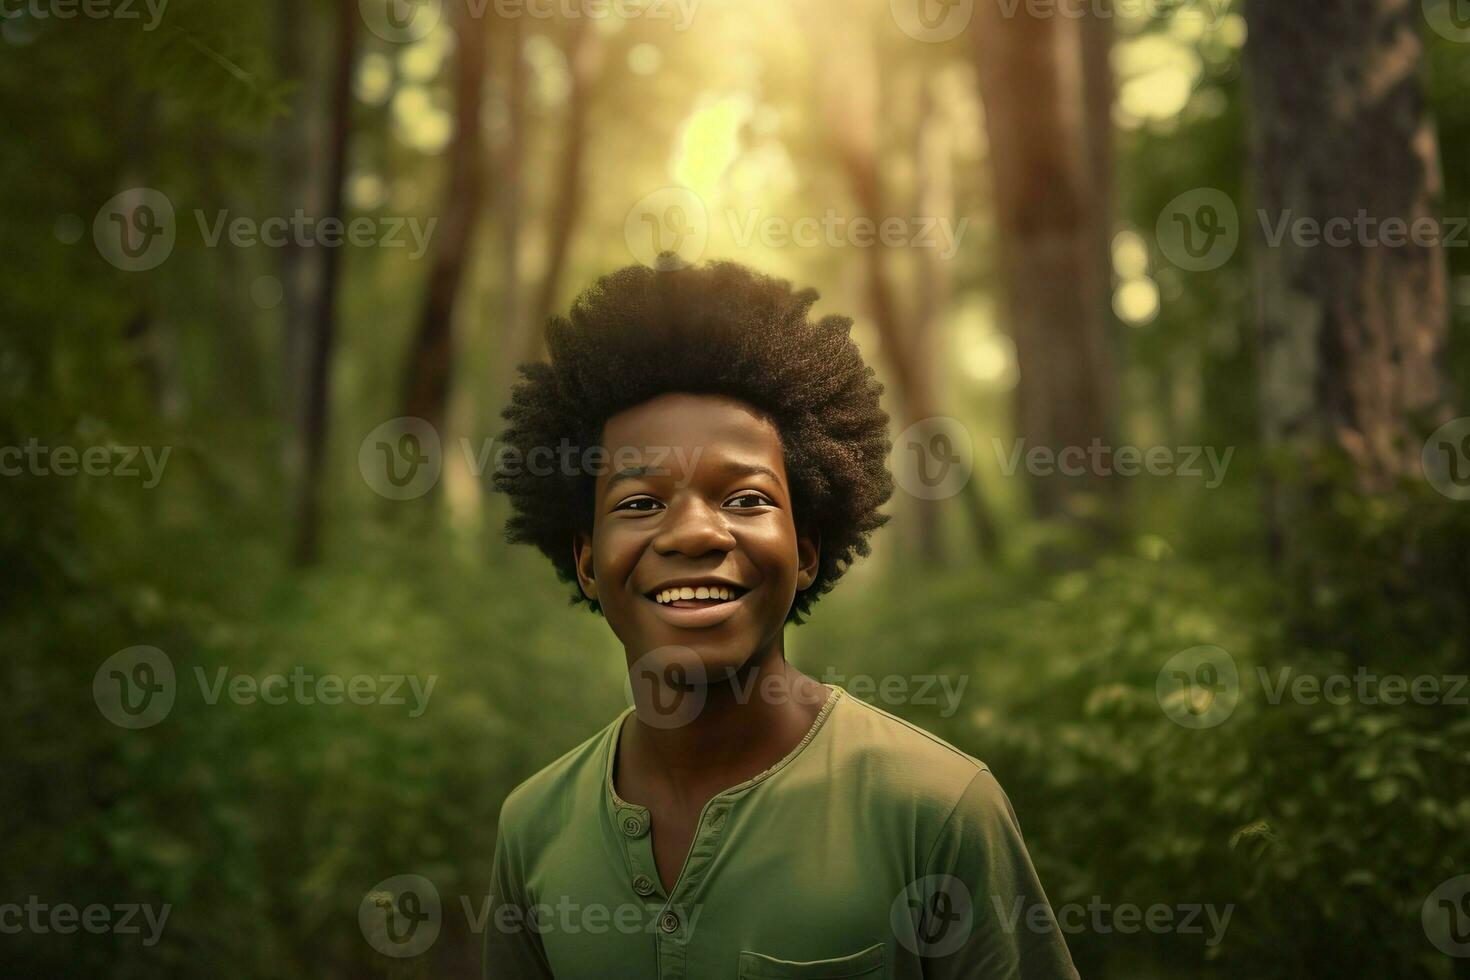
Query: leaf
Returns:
{"type": "Point", "coordinates": [1385, 791]}
{"type": "Point", "coordinates": [1255, 830]}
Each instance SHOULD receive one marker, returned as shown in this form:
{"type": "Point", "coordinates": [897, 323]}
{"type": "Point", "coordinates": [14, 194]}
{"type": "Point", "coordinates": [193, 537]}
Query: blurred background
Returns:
{"type": "Point", "coordinates": [1169, 297]}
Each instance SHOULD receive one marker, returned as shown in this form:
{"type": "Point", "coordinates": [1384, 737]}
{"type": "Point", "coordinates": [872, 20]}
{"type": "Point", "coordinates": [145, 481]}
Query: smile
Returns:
{"type": "Point", "coordinates": [696, 605]}
{"type": "Point", "coordinates": [687, 596]}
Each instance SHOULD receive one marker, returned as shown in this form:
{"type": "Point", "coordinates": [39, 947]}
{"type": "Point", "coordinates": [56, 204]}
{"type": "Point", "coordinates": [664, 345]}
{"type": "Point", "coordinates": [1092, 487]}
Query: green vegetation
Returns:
{"type": "Point", "coordinates": [263, 826]}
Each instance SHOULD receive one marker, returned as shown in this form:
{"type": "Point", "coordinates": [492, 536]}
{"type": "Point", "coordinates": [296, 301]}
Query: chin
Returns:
{"type": "Point", "coordinates": [722, 663]}
{"type": "Point", "coordinates": [695, 657]}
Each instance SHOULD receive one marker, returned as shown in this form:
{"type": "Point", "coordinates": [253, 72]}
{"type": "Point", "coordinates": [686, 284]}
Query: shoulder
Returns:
{"type": "Point", "coordinates": [903, 763]}
{"type": "Point", "coordinates": [557, 792]}
{"type": "Point", "coordinates": [959, 814]}
{"type": "Point", "coordinates": [878, 738]}
{"type": "Point", "coordinates": [940, 797]}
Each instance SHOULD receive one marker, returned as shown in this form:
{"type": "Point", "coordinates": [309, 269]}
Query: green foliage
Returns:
{"type": "Point", "coordinates": [264, 825]}
{"type": "Point", "coordinates": [1385, 578]}
{"type": "Point", "coordinates": [1324, 826]}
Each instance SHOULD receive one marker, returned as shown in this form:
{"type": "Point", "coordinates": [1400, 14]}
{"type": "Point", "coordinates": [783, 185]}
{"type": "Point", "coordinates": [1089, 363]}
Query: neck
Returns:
{"type": "Point", "coordinates": [746, 724]}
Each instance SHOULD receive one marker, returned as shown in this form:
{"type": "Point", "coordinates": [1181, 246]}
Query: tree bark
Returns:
{"type": "Point", "coordinates": [848, 94]}
{"type": "Point", "coordinates": [297, 162]}
{"type": "Point", "coordinates": [1351, 339]}
{"type": "Point", "coordinates": [583, 57]}
{"type": "Point", "coordinates": [1099, 91]}
{"type": "Point", "coordinates": [431, 358]}
{"type": "Point", "coordinates": [306, 547]}
{"type": "Point", "coordinates": [1051, 167]}
{"type": "Point", "coordinates": [933, 197]}
{"type": "Point", "coordinates": [512, 330]}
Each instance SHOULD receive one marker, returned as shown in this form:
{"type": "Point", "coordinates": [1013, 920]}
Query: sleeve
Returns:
{"type": "Point", "coordinates": [512, 947]}
{"type": "Point", "coordinates": [978, 873]}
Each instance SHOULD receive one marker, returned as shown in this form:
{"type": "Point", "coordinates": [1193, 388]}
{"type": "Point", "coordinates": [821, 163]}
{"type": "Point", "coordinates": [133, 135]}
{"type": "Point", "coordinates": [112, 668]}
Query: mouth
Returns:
{"type": "Point", "coordinates": [695, 605]}
{"type": "Point", "coordinates": [695, 596]}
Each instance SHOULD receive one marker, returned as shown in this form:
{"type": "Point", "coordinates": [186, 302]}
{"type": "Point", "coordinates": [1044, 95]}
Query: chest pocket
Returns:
{"type": "Point", "coordinates": [859, 966]}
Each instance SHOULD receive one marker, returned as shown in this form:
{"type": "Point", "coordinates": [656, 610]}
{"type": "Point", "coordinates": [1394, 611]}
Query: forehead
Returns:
{"type": "Point", "coordinates": [722, 428]}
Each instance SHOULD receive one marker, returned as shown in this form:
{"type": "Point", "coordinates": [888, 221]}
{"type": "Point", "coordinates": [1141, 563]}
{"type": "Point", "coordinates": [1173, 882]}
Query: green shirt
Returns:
{"type": "Point", "coordinates": [873, 849]}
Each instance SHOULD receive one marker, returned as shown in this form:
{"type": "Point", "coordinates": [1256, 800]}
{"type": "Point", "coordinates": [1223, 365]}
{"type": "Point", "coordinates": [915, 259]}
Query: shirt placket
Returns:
{"type": "Point", "coordinates": [677, 913]}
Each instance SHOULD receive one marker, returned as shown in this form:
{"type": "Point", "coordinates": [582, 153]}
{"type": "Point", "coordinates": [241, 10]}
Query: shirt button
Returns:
{"type": "Point", "coordinates": [643, 885]}
{"type": "Point", "coordinates": [635, 825]}
{"type": "Point", "coordinates": [668, 922]}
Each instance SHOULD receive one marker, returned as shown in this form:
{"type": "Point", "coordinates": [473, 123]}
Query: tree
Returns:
{"type": "Point", "coordinates": [1351, 338]}
{"type": "Point", "coordinates": [431, 358]}
{"type": "Point", "coordinates": [1050, 153]}
{"type": "Point", "coordinates": [317, 401]}
{"type": "Point", "coordinates": [296, 177]}
{"type": "Point", "coordinates": [847, 90]}
{"type": "Point", "coordinates": [584, 58]}
{"type": "Point", "coordinates": [512, 187]}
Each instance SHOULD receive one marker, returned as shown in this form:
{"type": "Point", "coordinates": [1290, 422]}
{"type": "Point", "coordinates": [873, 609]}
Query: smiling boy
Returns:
{"type": "Point", "coordinates": [741, 820]}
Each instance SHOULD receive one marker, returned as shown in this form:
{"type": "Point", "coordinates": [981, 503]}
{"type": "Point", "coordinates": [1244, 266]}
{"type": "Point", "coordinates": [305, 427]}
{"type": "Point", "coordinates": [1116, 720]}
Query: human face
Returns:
{"type": "Point", "coordinates": [699, 500]}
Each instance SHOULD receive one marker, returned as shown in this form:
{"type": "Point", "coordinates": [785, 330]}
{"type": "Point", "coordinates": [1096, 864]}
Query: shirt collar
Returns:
{"type": "Point", "coordinates": [616, 803]}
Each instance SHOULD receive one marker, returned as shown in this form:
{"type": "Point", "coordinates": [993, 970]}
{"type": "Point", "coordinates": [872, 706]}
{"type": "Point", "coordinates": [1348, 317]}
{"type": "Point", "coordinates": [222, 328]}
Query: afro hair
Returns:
{"type": "Point", "coordinates": [720, 329]}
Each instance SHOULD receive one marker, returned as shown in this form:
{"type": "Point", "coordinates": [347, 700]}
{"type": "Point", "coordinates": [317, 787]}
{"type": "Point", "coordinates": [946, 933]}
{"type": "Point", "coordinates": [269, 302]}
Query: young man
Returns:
{"type": "Point", "coordinates": [742, 820]}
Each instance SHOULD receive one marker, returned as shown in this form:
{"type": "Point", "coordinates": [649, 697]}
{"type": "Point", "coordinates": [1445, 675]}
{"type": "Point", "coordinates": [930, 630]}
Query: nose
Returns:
{"type": "Point", "coordinates": [693, 529]}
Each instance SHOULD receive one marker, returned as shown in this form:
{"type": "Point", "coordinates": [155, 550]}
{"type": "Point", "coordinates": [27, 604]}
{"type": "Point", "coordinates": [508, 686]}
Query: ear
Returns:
{"type": "Point", "coordinates": [808, 557]}
{"type": "Point", "coordinates": [582, 559]}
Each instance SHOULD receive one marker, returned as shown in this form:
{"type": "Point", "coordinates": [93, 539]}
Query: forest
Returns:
{"type": "Point", "coordinates": [1170, 301]}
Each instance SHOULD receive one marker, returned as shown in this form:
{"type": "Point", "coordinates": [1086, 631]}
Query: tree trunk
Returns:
{"type": "Point", "coordinates": [431, 358]}
{"type": "Point", "coordinates": [297, 152]}
{"type": "Point", "coordinates": [1099, 91]}
{"type": "Point", "coordinates": [1352, 339]}
{"type": "Point", "coordinates": [512, 330]}
{"type": "Point", "coordinates": [848, 94]}
{"type": "Point", "coordinates": [317, 402]}
{"type": "Point", "coordinates": [1050, 169]}
{"type": "Point", "coordinates": [933, 197]}
{"type": "Point", "coordinates": [851, 108]}
{"type": "Point", "coordinates": [583, 57]}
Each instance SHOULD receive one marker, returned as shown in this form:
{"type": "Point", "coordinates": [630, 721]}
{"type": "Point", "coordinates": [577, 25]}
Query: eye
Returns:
{"type": "Point", "coordinates": [641, 504]}
{"type": "Point", "coordinates": [747, 499]}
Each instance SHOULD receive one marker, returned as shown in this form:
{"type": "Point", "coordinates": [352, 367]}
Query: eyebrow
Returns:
{"type": "Point", "coordinates": [750, 469]}
{"type": "Point", "coordinates": [633, 473]}
{"type": "Point", "coordinates": [731, 468]}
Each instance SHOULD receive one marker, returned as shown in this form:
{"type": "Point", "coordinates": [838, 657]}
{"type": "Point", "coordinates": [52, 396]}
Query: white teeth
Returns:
{"type": "Point", "coordinates": [694, 592]}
